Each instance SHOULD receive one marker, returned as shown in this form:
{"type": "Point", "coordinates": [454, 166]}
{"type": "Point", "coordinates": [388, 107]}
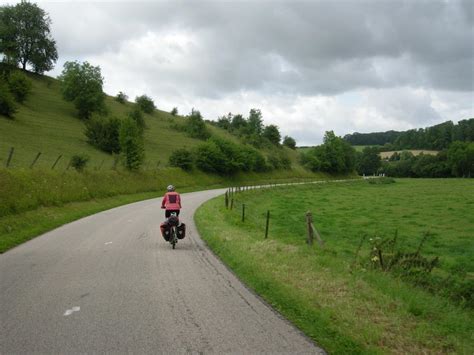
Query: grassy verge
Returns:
{"type": "Point", "coordinates": [19, 228]}
{"type": "Point", "coordinates": [35, 201]}
{"type": "Point", "coordinates": [343, 308]}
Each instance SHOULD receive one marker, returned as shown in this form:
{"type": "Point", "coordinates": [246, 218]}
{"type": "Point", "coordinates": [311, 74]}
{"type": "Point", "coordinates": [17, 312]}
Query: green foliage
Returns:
{"type": "Point", "coordinates": [457, 160]}
{"type": "Point", "coordinates": [174, 111]}
{"type": "Point", "coordinates": [103, 133]}
{"type": "Point", "coordinates": [289, 142]}
{"type": "Point", "coordinates": [131, 144]}
{"type": "Point", "coordinates": [195, 127]}
{"type": "Point", "coordinates": [121, 97]}
{"type": "Point", "coordinates": [79, 161]}
{"type": "Point", "coordinates": [272, 133]}
{"type": "Point", "coordinates": [137, 116]}
{"type": "Point", "coordinates": [224, 157]}
{"type": "Point", "coordinates": [335, 156]}
{"type": "Point", "coordinates": [279, 160]}
{"type": "Point", "coordinates": [368, 162]}
{"type": "Point", "coordinates": [145, 103]}
{"type": "Point", "coordinates": [461, 158]}
{"type": "Point", "coordinates": [436, 137]}
{"type": "Point", "coordinates": [211, 159]}
{"type": "Point", "coordinates": [7, 104]}
{"type": "Point", "coordinates": [20, 86]}
{"type": "Point", "coordinates": [25, 37]}
{"type": "Point", "coordinates": [82, 84]}
{"type": "Point", "coordinates": [181, 158]}
{"type": "Point", "coordinates": [255, 122]}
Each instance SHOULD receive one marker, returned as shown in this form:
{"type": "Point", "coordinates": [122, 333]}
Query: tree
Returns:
{"type": "Point", "coordinates": [145, 103]}
{"type": "Point", "coordinates": [335, 156]}
{"type": "Point", "coordinates": [131, 144]}
{"type": "Point", "coordinates": [174, 111]}
{"type": "Point", "coordinates": [369, 161]}
{"type": "Point", "coordinates": [289, 142]}
{"type": "Point", "coordinates": [255, 122]}
{"type": "Point", "coordinates": [272, 133]}
{"type": "Point", "coordinates": [121, 97]}
{"type": "Point", "coordinates": [461, 158]}
{"type": "Point", "coordinates": [82, 84]}
{"type": "Point", "coordinates": [26, 37]}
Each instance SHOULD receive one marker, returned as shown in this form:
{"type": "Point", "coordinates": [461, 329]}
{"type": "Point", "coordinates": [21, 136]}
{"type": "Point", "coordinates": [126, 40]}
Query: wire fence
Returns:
{"type": "Point", "coordinates": [62, 161]}
{"type": "Point", "coordinates": [248, 212]}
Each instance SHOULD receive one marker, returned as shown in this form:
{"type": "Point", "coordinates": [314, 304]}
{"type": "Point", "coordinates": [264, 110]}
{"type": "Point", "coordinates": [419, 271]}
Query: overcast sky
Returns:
{"type": "Point", "coordinates": [310, 66]}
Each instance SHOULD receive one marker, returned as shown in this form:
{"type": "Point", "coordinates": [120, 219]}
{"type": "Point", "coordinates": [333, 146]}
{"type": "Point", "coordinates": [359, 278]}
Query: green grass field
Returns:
{"type": "Point", "coordinates": [347, 307]}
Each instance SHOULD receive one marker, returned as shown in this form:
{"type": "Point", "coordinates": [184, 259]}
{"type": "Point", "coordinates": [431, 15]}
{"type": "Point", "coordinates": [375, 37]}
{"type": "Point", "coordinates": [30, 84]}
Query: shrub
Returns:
{"type": "Point", "coordinates": [174, 111]}
{"type": "Point", "coordinates": [20, 86]}
{"type": "Point", "coordinates": [7, 104]}
{"type": "Point", "coordinates": [121, 97]}
{"type": "Point", "coordinates": [195, 126]}
{"type": "Point", "coordinates": [79, 162]}
{"type": "Point", "coordinates": [103, 133]}
{"type": "Point", "coordinates": [131, 144]}
{"type": "Point", "coordinates": [209, 158]}
{"type": "Point", "coordinates": [181, 158]}
{"type": "Point", "coordinates": [137, 116]}
{"type": "Point", "coordinates": [145, 103]}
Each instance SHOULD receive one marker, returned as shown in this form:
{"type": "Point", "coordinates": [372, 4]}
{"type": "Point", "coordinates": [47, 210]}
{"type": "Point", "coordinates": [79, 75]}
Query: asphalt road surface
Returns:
{"type": "Point", "coordinates": [109, 283]}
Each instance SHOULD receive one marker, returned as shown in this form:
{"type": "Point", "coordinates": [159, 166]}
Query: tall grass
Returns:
{"type": "Point", "coordinates": [27, 189]}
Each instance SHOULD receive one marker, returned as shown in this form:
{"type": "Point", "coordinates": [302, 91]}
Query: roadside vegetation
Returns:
{"type": "Point", "coordinates": [340, 295]}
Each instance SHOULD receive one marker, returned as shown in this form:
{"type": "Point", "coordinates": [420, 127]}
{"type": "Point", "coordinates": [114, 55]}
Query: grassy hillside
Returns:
{"type": "Point", "coordinates": [46, 123]}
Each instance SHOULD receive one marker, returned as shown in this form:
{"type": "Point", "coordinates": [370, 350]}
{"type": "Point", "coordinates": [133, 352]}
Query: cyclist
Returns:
{"type": "Point", "coordinates": [171, 202]}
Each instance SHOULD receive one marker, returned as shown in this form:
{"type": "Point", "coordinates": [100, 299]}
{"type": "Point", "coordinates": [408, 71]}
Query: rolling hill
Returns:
{"type": "Point", "coordinates": [48, 124]}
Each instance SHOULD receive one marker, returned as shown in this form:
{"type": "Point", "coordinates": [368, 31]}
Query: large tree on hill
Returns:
{"type": "Point", "coordinates": [25, 37]}
{"type": "Point", "coordinates": [82, 84]}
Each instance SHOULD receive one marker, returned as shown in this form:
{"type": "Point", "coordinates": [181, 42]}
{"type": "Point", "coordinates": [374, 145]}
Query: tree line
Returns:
{"type": "Point", "coordinates": [252, 130]}
{"type": "Point", "coordinates": [437, 137]}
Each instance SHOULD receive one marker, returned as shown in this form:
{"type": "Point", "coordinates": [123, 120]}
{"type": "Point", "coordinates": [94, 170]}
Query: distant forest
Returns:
{"type": "Point", "coordinates": [436, 137]}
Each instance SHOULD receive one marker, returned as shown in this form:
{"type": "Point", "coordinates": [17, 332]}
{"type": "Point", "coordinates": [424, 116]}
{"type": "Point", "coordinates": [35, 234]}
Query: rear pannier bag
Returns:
{"type": "Point", "coordinates": [165, 231]}
{"type": "Point", "coordinates": [181, 231]}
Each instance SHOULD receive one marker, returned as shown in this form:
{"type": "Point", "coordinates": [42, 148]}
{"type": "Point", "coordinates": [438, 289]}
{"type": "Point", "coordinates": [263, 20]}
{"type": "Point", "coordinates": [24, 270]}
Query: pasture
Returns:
{"type": "Point", "coordinates": [347, 303]}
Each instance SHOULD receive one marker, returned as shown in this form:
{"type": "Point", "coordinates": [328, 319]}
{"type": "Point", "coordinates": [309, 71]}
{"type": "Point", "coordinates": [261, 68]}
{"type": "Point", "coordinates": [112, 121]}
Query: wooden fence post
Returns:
{"type": "Point", "coordinates": [35, 160]}
{"type": "Point", "coordinates": [243, 212]}
{"type": "Point", "coordinates": [10, 155]}
{"type": "Point", "coordinates": [231, 203]}
{"type": "Point", "coordinates": [56, 161]}
{"type": "Point", "coordinates": [268, 221]}
{"type": "Point", "coordinates": [309, 222]}
{"type": "Point", "coordinates": [227, 199]}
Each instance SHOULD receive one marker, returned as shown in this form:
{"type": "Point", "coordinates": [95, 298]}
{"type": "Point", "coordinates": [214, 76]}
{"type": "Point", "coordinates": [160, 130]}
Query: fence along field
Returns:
{"type": "Point", "coordinates": [372, 306]}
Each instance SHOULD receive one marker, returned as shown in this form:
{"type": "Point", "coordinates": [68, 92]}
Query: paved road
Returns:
{"type": "Point", "coordinates": [109, 283]}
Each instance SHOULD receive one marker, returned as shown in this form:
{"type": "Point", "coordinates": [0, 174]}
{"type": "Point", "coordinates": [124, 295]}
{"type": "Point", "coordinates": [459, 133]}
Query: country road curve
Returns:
{"type": "Point", "coordinates": [109, 283]}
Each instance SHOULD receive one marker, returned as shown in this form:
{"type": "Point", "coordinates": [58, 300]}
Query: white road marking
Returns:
{"type": "Point", "coordinates": [108, 243]}
{"type": "Point", "coordinates": [71, 311]}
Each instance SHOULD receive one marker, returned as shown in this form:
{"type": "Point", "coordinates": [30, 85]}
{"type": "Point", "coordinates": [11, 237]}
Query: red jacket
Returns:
{"type": "Point", "coordinates": [171, 201]}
